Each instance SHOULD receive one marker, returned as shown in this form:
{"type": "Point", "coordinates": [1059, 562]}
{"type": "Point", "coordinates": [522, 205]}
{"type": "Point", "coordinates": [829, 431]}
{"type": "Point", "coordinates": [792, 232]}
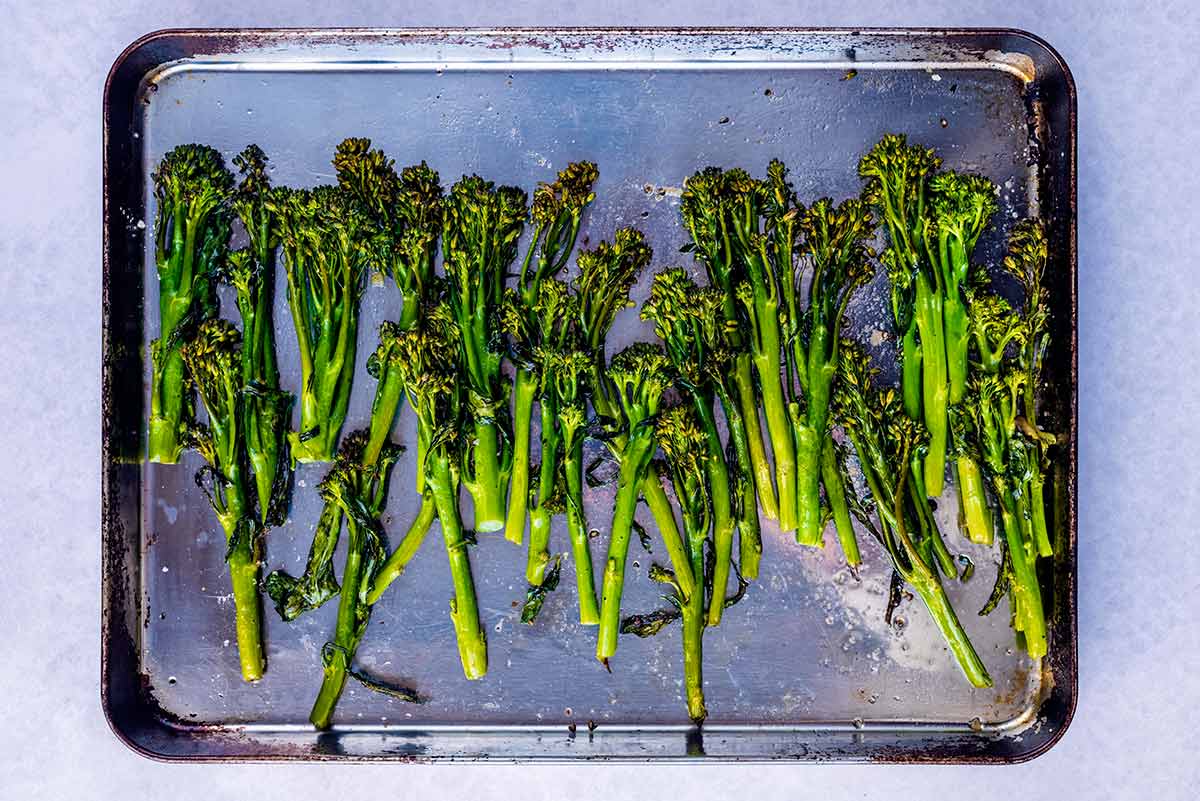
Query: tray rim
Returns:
{"type": "Point", "coordinates": [231, 36]}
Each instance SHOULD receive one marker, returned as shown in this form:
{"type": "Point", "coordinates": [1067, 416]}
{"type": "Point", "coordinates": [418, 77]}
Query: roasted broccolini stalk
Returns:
{"type": "Point", "coordinates": [716, 207]}
{"type": "Point", "coordinates": [996, 431]}
{"type": "Point", "coordinates": [636, 378]}
{"type": "Point", "coordinates": [886, 440]}
{"type": "Point", "coordinates": [548, 323]}
{"type": "Point", "coordinates": [429, 373]}
{"type": "Point", "coordinates": [933, 222]}
{"type": "Point", "coordinates": [564, 380]}
{"type": "Point", "coordinates": [606, 275]}
{"type": "Point", "coordinates": [835, 260]}
{"type": "Point", "coordinates": [556, 212]}
{"type": "Point", "coordinates": [404, 212]}
{"type": "Point", "coordinates": [960, 209]}
{"type": "Point", "coordinates": [681, 312]}
{"type": "Point", "coordinates": [360, 494]}
{"type": "Point", "coordinates": [480, 229]}
{"type": "Point", "coordinates": [681, 433]}
{"type": "Point", "coordinates": [328, 250]}
{"type": "Point", "coordinates": [897, 176]}
{"type": "Point", "coordinates": [251, 271]}
{"type": "Point", "coordinates": [213, 359]}
{"type": "Point", "coordinates": [191, 235]}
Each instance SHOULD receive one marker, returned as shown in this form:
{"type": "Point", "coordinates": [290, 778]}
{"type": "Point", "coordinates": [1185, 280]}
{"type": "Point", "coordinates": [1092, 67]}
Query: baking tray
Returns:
{"type": "Point", "coordinates": [805, 667]}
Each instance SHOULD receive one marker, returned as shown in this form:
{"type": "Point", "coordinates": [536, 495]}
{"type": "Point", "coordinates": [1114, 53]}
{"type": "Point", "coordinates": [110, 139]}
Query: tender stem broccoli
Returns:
{"type": "Point", "coordinates": [681, 433]}
{"type": "Point", "coordinates": [429, 373]}
{"type": "Point", "coordinates": [360, 494]}
{"type": "Point", "coordinates": [480, 229]}
{"type": "Point", "coordinates": [606, 275]}
{"type": "Point", "coordinates": [1026, 261]}
{"type": "Point", "coordinates": [898, 177]}
{"type": "Point", "coordinates": [993, 401]}
{"type": "Point", "coordinates": [996, 432]}
{"type": "Point", "coordinates": [708, 206]}
{"type": "Point", "coordinates": [564, 378]}
{"type": "Point", "coordinates": [681, 312]}
{"type": "Point", "coordinates": [556, 212]}
{"type": "Point", "coordinates": [837, 259]}
{"type": "Point", "coordinates": [327, 241]}
{"type": "Point", "coordinates": [636, 378]}
{"type": "Point", "coordinates": [405, 213]}
{"type": "Point", "coordinates": [213, 359]}
{"type": "Point", "coordinates": [191, 235]}
{"type": "Point", "coordinates": [886, 440]}
{"type": "Point", "coordinates": [251, 271]}
{"type": "Point", "coordinates": [548, 326]}
{"type": "Point", "coordinates": [960, 209]}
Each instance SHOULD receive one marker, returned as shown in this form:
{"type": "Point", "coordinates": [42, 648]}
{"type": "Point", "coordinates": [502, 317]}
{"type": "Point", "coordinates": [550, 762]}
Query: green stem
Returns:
{"type": "Point", "coordinates": [166, 413]}
{"type": "Point", "coordinates": [783, 450]}
{"type": "Point", "coordinates": [524, 389]}
{"type": "Point", "coordinates": [954, 316]}
{"type": "Point", "coordinates": [747, 399]}
{"type": "Point", "coordinates": [809, 530]}
{"type": "Point", "coordinates": [722, 508]}
{"type": "Point", "coordinates": [974, 514]}
{"type": "Point", "coordinates": [664, 518]}
{"type": "Point", "coordinates": [398, 560]}
{"type": "Point", "coordinates": [243, 573]}
{"type": "Point", "coordinates": [389, 394]}
{"type": "Point", "coordinates": [911, 358]}
{"type": "Point", "coordinates": [1037, 511]}
{"type": "Point", "coordinates": [1026, 592]}
{"type": "Point", "coordinates": [464, 607]}
{"type": "Point", "coordinates": [835, 493]}
{"type": "Point", "coordinates": [931, 592]}
{"type": "Point", "coordinates": [581, 552]}
{"type": "Point", "coordinates": [634, 462]}
{"type": "Point", "coordinates": [934, 383]}
{"type": "Point", "coordinates": [487, 490]}
{"type": "Point", "coordinates": [693, 659]}
{"type": "Point", "coordinates": [930, 531]}
{"type": "Point", "coordinates": [345, 636]}
{"type": "Point", "coordinates": [749, 530]}
{"type": "Point", "coordinates": [541, 518]}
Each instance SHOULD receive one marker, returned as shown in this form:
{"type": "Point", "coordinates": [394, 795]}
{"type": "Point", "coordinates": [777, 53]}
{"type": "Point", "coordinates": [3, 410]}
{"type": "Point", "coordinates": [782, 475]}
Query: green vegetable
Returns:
{"type": "Point", "coordinates": [995, 430]}
{"type": "Point", "coordinates": [685, 443]}
{"type": "Point", "coordinates": [636, 379]}
{"type": "Point", "coordinates": [961, 207]}
{"type": "Point", "coordinates": [213, 359]}
{"type": "Point", "coordinates": [360, 494]}
{"type": "Point", "coordinates": [886, 440]}
{"type": "Point", "coordinates": [553, 310]}
{"type": "Point", "coordinates": [480, 229]}
{"type": "Point", "coordinates": [933, 222]}
{"type": "Point", "coordinates": [327, 244]}
{"type": "Point", "coordinates": [191, 235]}
{"type": "Point", "coordinates": [837, 259]}
{"type": "Point", "coordinates": [251, 271]}
{"type": "Point", "coordinates": [556, 212]}
{"type": "Point", "coordinates": [710, 202]}
{"type": "Point", "coordinates": [681, 312]}
{"type": "Point", "coordinates": [606, 275]}
{"type": "Point", "coordinates": [429, 373]}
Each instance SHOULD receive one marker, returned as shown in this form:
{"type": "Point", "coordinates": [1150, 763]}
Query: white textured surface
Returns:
{"type": "Point", "coordinates": [1138, 558]}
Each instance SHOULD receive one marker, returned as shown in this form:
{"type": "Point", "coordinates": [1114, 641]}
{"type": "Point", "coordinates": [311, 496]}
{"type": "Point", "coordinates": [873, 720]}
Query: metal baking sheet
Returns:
{"type": "Point", "coordinates": [805, 668]}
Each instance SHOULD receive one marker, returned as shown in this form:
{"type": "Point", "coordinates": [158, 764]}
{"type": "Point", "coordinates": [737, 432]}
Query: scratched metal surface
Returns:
{"type": "Point", "coordinates": [808, 648]}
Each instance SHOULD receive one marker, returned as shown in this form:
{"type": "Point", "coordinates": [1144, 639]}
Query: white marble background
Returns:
{"type": "Point", "coordinates": [1139, 560]}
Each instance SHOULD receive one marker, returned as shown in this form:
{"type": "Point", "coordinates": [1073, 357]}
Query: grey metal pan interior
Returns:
{"type": "Point", "coordinates": [804, 667]}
